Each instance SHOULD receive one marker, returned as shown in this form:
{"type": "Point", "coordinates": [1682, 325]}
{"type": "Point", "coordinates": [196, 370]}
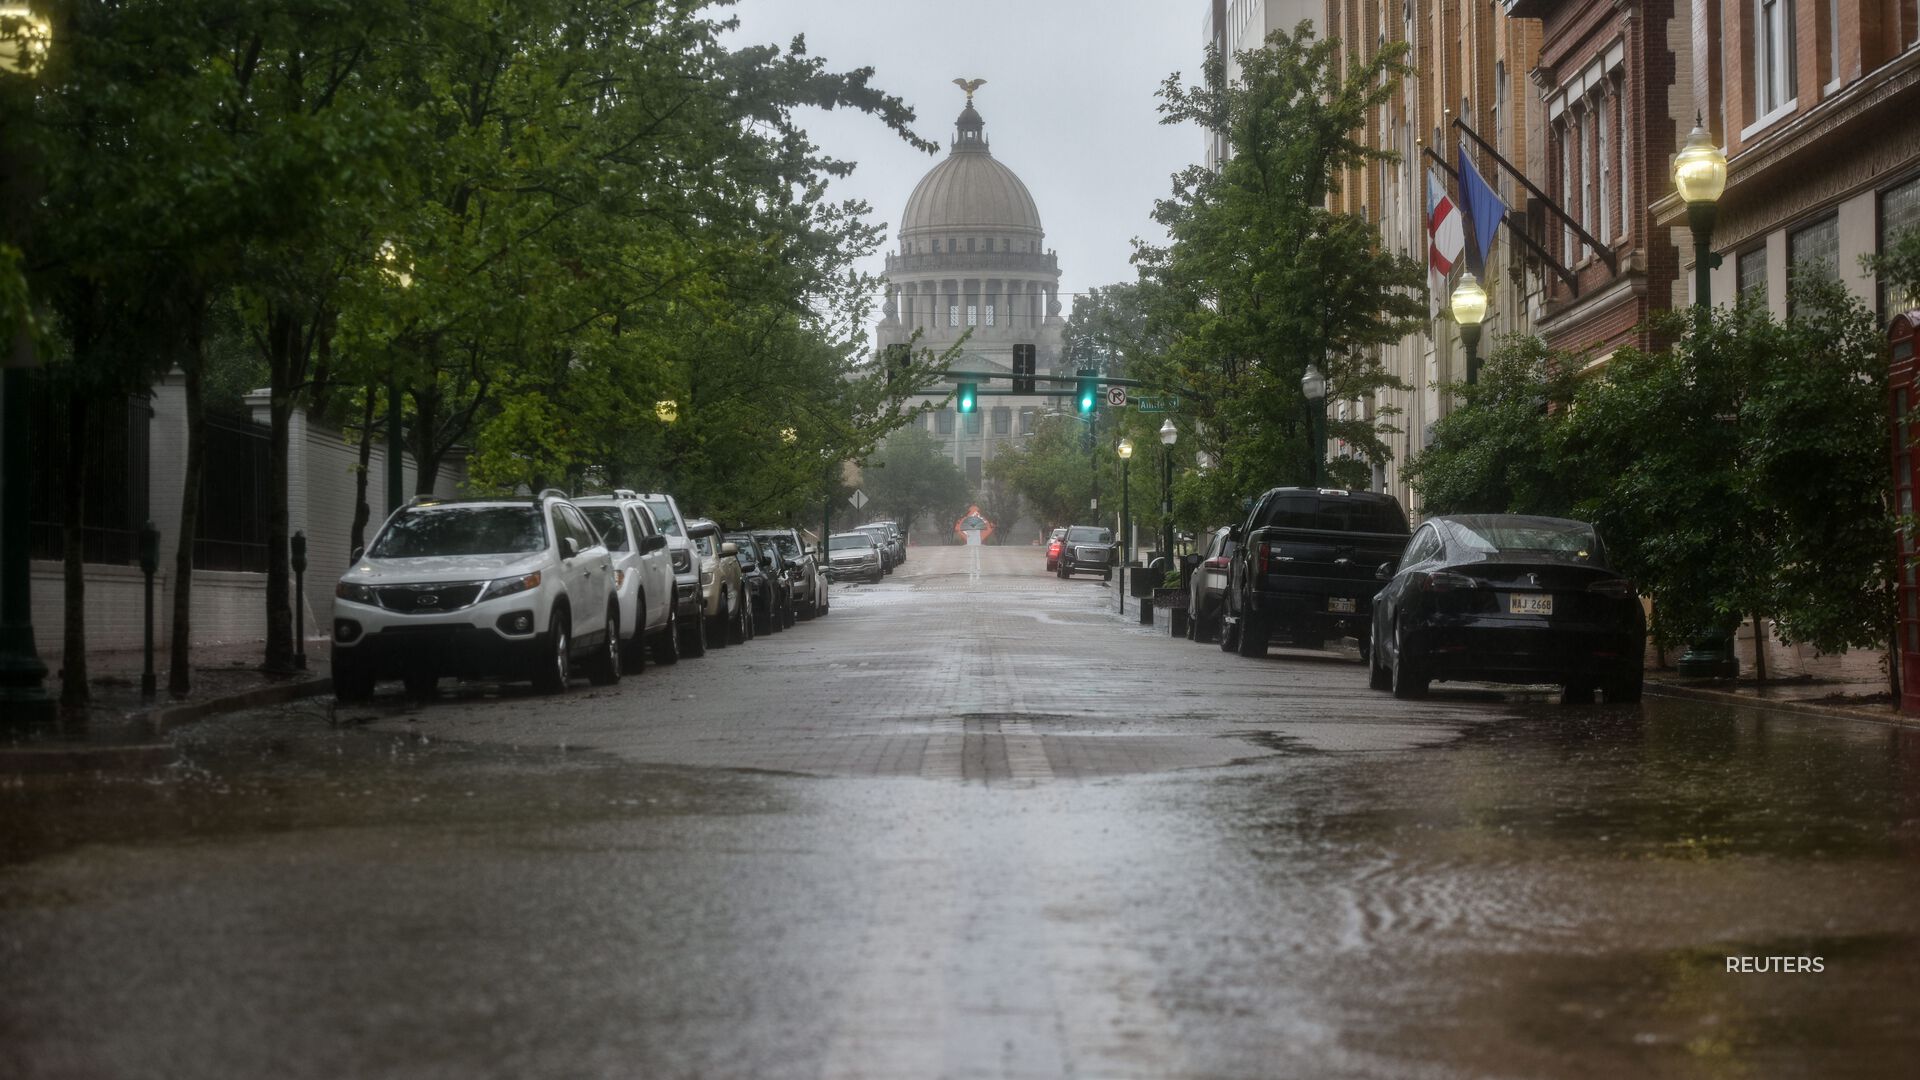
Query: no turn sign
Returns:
{"type": "Point", "coordinates": [1117, 396]}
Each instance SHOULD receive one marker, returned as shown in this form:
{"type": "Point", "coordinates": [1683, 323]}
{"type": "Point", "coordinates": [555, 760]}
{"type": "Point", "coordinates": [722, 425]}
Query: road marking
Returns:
{"type": "Point", "coordinates": [973, 568]}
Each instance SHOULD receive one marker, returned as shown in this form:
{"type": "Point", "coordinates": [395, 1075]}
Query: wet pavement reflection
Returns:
{"type": "Point", "coordinates": [1525, 890]}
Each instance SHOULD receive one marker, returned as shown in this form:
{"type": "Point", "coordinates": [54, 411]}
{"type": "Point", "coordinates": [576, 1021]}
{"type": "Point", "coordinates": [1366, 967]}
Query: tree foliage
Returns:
{"type": "Point", "coordinates": [911, 477]}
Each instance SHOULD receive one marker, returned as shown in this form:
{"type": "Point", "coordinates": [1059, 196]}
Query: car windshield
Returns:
{"type": "Point", "coordinates": [704, 544]}
{"type": "Point", "coordinates": [747, 552]}
{"type": "Point", "coordinates": [1571, 540]}
{"type": "Point", "coordinates": [611, 523]}
{"type": "Point", "coordinates": [663, 517]}
{"type": "Point", "coordinates": [844, 542]}
{"type": "Point", "coordinates": [1336, 513]}
{"type": "Point", "coordinates": [785, 543]}
{"type": "Point", "coordinates": [1088, 534]}
{"type": "Point", "coordinates": [462, 530]}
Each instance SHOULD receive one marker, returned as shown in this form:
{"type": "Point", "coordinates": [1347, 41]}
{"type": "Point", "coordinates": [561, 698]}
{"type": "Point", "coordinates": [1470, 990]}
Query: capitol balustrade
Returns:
{"type": "Point", "coordinates": [995, 262]}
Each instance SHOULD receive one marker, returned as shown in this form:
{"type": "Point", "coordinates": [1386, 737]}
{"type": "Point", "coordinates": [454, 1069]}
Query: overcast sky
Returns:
{"type": "Point", "coordinates": [1069, 105]}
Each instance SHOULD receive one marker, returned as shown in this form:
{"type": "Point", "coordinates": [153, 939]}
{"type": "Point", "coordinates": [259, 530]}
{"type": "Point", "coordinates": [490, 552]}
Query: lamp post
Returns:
{"type": "Point", "coordinates": [149, 565]}
{"type": "Point", "coordinates": [1700, 174]}
{"type": "Point", "coordinates": [1168, 433]}
{"type": "Point", "coordinates": [398, 272]}
{"type": "Point", "coordinates": [1469, 306]}
{"type": "Point", "coordinates": [1125, 450]}
{"type": "Point", "coordinates": [24, 39]}
{"type": "Point", "coordinates": [299, 544]}
{"type": "Point", "coordinates": [1314, 385]}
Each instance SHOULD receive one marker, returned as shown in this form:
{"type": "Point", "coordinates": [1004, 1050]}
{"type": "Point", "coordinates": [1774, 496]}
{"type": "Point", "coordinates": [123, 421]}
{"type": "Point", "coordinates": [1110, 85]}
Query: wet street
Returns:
{"type": "Point", "coordinates": [974, 823]}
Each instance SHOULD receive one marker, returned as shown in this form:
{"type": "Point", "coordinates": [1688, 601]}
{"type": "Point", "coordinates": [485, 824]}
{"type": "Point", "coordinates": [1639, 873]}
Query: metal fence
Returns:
{"type": "Point", "coordinates": [114, 493]}
{"type": "Point", "coordinates": [234, 491]}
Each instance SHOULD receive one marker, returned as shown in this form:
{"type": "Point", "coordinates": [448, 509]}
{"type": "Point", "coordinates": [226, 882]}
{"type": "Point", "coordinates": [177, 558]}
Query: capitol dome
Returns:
{"type": "Point", "coordinates": [970, 195]}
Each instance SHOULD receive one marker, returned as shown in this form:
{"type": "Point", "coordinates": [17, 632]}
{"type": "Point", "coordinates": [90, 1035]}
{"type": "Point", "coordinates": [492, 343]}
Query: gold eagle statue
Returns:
{"type": "Point", "coordinates": [969, 85]}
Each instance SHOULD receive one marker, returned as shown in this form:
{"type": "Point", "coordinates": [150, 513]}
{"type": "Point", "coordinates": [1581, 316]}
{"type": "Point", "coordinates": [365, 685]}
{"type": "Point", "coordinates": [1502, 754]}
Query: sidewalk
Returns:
{"type": "Point", "coordinates": [1852, 699]}
{"type": "Point", "coordinates": [120, 728]}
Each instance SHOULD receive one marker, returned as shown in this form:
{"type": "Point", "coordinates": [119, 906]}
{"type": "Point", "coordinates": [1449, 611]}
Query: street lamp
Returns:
{"type": "Point", "coordinates": [1469, 308]}
{"type": "Point", "coordinates": [24, 40]}
{"type": "Point", "coordinates": [1168, 433]}
{"type": "Point", "coordinates": [400, 273]}
{"type": "Point", "coordinates": [1125, 450]}
{"type": "Point", "coordinates": [1700, 173]}
{"type": "Point", "coordinates": [1314, 385]}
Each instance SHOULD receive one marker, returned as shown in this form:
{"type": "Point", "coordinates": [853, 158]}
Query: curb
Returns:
{"type": "Point", "coordinates": [1884, 717]}
{"type": "Point", "coordinates": [21, 760]}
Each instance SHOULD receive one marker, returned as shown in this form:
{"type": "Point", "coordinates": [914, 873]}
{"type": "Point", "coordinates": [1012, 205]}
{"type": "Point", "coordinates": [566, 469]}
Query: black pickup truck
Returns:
{"type": "Point", "coordinates": [1304, 567]}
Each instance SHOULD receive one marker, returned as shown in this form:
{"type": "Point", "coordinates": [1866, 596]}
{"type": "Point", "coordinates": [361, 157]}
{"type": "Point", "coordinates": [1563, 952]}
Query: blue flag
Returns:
{"type": "Point", "coordinates": [1484, 212]}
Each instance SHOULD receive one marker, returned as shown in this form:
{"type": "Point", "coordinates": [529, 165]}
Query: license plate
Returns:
{"type": "Point", "coordinates": [1530, 605]}
{"type": "Point", "coordinates": [1340, 603]}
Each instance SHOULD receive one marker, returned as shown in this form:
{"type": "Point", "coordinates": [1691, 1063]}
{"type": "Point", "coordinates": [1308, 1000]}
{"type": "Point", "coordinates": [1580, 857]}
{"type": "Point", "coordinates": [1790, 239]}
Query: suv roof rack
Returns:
{"type": "Point", "coordinates": [625, 493]}
{"type": "Point", "coordinates": [553, 491]}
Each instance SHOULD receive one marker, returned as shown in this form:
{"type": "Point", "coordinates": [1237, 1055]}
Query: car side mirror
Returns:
{"type": "Point", "coordinates": [1188, 562]}
{"type": "Point", "coordinates": [1233, 533]}
{"type": "Point", "coordinates": [1386, 570]}
{"type": "Point", "coordinates": [358, 550]}
{"type": "Point", "coordinates": [569, 547]}
{"type": "Point", "coordinates": [652, 544]}
{"type": "Point", "coordinates": [729, 548]}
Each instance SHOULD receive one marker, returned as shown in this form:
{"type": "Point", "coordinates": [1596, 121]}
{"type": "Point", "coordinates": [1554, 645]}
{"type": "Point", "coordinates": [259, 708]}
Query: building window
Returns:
{"type": "Point", "coordinates": [953, 314]}
{"type": "Point", "coordinates": [973, 315]}
{"type": "Point", "coordinates": [1604, 158]}
{"type": "Point", "coordinates": [1899, 213]}
{"type": "Point", "coordinates": [953, 245]}
{"type": "Point", "coordinates": [973, 423]}
{"type": "Point", "coordinates": [1623, 179]}
{"type": "Point", "coordinates": [1750, 276]}
{"type": "Point", "coordinates": [1773, 56]}
{"type": "Point", "coordinates": [1833, 44]}
{"type": "Point", "coordinates": [969, 245]}
{"type": "Point", "coordinates": [989, 314]}
{"type": "Point", "coordinates": [973, 470]}
{"type": "Point", "coordinates": [1002, 420]}
{"type": "Point", "coordinates": [1566, 187]}
{"type": "Point", "coordinates": [943, 422]}
{"type": "Point", "coordinates": [1813, 251]}
{"type": "Point", "coordinates": [1026, 420]}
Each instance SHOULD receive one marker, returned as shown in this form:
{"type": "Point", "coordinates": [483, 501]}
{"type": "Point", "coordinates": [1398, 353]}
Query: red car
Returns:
{"type": "Point", "coordinates": [1053, 549]}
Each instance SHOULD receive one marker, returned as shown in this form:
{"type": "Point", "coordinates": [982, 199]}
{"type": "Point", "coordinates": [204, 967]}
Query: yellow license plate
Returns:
{"type": "Point", "coordinates": [1340, 603]}
{"type": "Point", "coordinates": [1530, 605]}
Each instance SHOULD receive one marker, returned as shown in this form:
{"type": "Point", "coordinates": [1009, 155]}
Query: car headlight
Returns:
{"type": "Point", "coordinates": [356, 592]}
{"type": "Point", "coordinates": [509, 586]}
{"type": "Point", "coordinates": [706, 577]}
{"type": "Point", "coordinates": [682, 564]}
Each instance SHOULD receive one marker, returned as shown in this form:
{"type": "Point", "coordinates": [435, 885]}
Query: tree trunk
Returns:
{"type": "Point", "coordinates": [1760, 636]}
{"type": "Point", "coordinates": [426, 458]}
{"type": "Point", "coordinates": [279, 656]}
{"type": "Point", "coordinates": [74, 693]}
{"type": "Point", "coordinates": [179, 674]}
{"type": "Point", "coordinates": [361, 511]}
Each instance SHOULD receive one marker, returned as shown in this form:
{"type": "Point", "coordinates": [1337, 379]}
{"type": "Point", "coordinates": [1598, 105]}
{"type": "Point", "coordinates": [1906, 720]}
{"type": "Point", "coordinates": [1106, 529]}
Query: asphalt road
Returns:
{"type": "Point", "coordinates": [973, 824]}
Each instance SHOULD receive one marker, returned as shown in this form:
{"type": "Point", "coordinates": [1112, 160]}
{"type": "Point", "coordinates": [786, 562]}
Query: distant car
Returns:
{"type": "Point", "coordinates": [483, 588]}
{"type": "Point", "coordinates": [1054, 544]}
{"type": "Point", "coordinates": [729, 616]}
{"type": "Point", "coordinates": [809, 581]}
{"type": "Point", "coordinates": [883, 541]}
{"type": "Point", "coordinates": [1207, 585]}
{"type": "Point", "coordinates": [1087, 549]}
{"type": "Point", "coordinates": [1507, 598]}
{"type": "Point", "coordinates": [897, 538]}
{"type": "Point", "coordinates": [766, 587]}
{"type": "Point", "coordinates": [855, 555]}
{"type": "Point", "coordinates": [643, 578]}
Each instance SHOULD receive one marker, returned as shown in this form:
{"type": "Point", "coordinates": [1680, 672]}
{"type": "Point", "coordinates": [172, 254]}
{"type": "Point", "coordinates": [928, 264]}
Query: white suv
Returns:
{"type": "Point", "coordinates": [642, 577]}
{"type": "Point", "coordinates": [688, 599]}
{"type": "Point", "coordinates": [482, 588]}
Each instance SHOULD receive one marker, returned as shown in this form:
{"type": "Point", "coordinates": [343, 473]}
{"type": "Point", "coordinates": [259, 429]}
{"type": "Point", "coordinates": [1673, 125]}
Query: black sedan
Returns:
{"type": "Point", "coordinates": [1507, 598]}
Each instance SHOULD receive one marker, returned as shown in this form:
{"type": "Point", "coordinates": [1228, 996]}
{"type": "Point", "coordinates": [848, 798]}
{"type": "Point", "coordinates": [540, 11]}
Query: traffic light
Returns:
{"type": "Point", "coordinates": [1088, 393]}
{"type": "Point", "coordinates": [965, 398]}
{"type": "Point", "coordinates": [1023, 368]}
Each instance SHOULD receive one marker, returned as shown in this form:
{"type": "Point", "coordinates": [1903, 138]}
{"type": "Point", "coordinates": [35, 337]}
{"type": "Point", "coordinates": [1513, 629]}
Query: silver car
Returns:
{"type": "Point", "coordinates": [854, 555]}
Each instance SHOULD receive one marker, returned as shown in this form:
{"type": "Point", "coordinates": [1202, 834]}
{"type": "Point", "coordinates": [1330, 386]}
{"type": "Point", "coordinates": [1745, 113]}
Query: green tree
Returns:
{"type": "Point", "coordinates": [1499, 450]}
{"type": "Point", "coordinates": [911, 476]}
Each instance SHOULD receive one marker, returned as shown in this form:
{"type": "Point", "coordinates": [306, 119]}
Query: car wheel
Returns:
{"type": "Point", "coordinates": [603, 669]}
{"type": "Point", "coordinates": [1229, 635]}
{"type": "Point", "coordinates": [739, 626]}
{"type": "Point", "coordinates": [1576, 693]}
{"type": "Point", "coordinates": [554, 666]}
{"type": "Point", "coordinates": [1626, 689]}
{"type": "Point", "coordinates": [1108, 576]}
{"type": "Point", "coordinates": [666, 645]}
{"type": "Point", "coordinates": [695, 643]}
{"type": "Point", "coordinates": [352, 680]}
{"type": "Point", "coordinates": [763, 621]}
{"type": "Point", "coordinates": [1253, 638]}
{"type": "Point", "coordinates": [1409, 679]}
{"type": "Point", "coordinates": [792, 616]}
{"type": "Point", "coordinates": [421, 684]}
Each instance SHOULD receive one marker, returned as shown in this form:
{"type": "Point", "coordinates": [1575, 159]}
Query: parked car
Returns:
{"type": "Point", "coordinates": [1507, 598]}
{"type": "Point", "coordinates": [897, 538]}
{"type": "Point", "coordinates": [883, 540]}
{"type": "Point", "coordinates": [809, 584]}
{"type": "Point", "coordinates": [766, 589]}
{"type": "Point", "coordinates": [728, 616]}
{"type": "Point", "coordinates": [690, 610]}
{"type": "Point", "coordinates": [642, 577]}
{"type": "Point", "coordinates": [853, 555]}
{"type": "Point", "coordinates": [1206, 579]}
{"type": "Point", "coordinates": [482, 588]}
{"type": "Point", "coordinates": [1087, 549]}
{"type": "Point", "coordinates": [1303, 567]}
{"type": "Point", "coordinates": [1054, 544]}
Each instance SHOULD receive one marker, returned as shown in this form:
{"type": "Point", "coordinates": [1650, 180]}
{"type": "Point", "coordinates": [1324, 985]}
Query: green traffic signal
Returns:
{"type": "Point", "coordinates": [966, 397]}
{"type": "Point", "coordinates": [1085, 399]}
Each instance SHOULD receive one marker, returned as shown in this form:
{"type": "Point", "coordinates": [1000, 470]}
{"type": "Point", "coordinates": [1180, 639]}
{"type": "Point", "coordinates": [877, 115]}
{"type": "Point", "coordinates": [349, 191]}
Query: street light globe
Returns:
{"type": "Point", "coordinates": [1700, 169]}
{"type": "Point", "coordinates": [24, 39]}
{"type": "Point", "coordinates": [1168, 433]}
{"type": "Point", "coordinates": [1125, 449]}
{"type": "Point", "coordinates": [668, 410]}
{"type": "Point", "coordinates": [789, 436]}
{"type": "Point", "coordinates": [1469, 302]}
{"type": "Point", "coordinates": [1314, 384]}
